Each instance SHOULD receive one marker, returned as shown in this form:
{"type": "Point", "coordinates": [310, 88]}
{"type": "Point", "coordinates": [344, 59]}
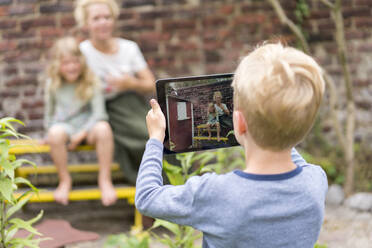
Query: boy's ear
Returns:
{"type": "Point", "coordinates": [239, 122]}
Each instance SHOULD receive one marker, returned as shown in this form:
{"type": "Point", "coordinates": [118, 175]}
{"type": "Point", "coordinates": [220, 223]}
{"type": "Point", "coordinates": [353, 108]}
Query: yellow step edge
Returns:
{"type": "Point", "coordinates": [33, 146]}
{"type": "Point", "coordinates": [51, 169]}
{"type": "Point", "coordinates": [83, 194]}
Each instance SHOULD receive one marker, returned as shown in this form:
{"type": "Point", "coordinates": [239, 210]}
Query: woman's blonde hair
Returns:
{"type": "Point", "coordinates": [81, 13]}
{"type": "Point", "coordinates": [216, 94]}
{"type": "Point", "coordinates": [86, 81]}
{"type": "Point", "coordinates": [279, 90]}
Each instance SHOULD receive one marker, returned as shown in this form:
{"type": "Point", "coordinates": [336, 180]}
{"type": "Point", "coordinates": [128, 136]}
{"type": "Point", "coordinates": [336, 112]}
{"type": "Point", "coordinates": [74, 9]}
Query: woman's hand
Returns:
{"type": "Point", "coordinates": [120, 83]}
{"type": "Point", "coordinates": [155, 121]}
{"type": "Point", "coordinates": [76, 139]}
{"type": "Point", "coordinates": [143, 82]}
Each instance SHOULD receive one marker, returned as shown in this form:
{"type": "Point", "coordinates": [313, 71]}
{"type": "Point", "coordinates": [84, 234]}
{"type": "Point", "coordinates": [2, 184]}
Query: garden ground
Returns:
{"type": "Point", "coordinates": [342, 228]}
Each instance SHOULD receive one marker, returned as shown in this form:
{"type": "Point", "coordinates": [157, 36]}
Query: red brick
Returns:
{"type": "Point", "coordinates": [214, 22]}
{"type": "Point", "coordinates": [226, 9]}
{"type": "Point", "coordinates": [55, 8]}
{"type": "Point", "coordinates": [31, 104]}
{"type": "Point", "coordinates": [19, 35]}
{"type": "Point", "coordinates": [154, 36]}
{"type": "Point", "coordinates": [363, 22]}
{"type": "Point", "coordinates": [68, 21]}
{"type": "Point", "coordinates": [39, 22]}
{"type": "Point", "coordinates": [21, 9]}
{"type": "Point", "coordinates": [50, 32]}
{"type": "Point", "coordinates": [137, 3]}
{"type": "Point", "coordinates": [21, 81]}
{"type": "Point", "coordinates": [7, 24]}
{"type": "Point", "coordinates": [10, 70]}
{"type": "Point", "coordinates": [7, 45]}
{"type": "Point", "coordinates": [178, 24]}
{"type": "Point", "coordinates": [4, 10]}
{"type": "Point", "coordinates": [9, 93]}
{"type": "Point", "coordinates": [5, 2]}
{"type": "Point", "coordinates": [250, 19]}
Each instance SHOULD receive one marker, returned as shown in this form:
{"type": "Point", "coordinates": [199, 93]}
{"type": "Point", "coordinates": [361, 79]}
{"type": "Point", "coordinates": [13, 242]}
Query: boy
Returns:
{"type": "Point", "coordinates": [278, 200]}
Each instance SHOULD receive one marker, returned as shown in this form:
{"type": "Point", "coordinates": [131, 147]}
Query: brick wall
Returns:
{"type": "Point", "coordinates": [177, 37]}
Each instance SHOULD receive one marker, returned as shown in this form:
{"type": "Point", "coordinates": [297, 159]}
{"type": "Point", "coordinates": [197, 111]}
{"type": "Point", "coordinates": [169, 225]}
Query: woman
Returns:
{"type": "Point", "coordinates": [126, 78]}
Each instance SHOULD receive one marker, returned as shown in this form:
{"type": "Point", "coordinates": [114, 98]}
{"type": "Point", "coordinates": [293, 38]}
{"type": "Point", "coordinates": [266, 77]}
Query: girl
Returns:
{"type": "Point", "coordinates": [74, 112]}
{"type": "Point", "coordinates": [213, 121]}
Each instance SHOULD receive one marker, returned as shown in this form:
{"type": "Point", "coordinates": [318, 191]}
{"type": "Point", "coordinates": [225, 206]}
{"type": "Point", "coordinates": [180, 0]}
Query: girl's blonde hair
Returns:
{"type": "Point", "coordinates": [81, 13]}
{"type": "Point", "coordinates": [86, 81]}
{"type": "Point", "coordinates": [278, 89]}
{"type": "Point", "coordinates": [211, 104]}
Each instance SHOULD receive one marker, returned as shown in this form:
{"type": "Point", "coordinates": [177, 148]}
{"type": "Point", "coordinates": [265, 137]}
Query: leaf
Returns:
{"type": "Point", "coordinates": [19, 162]}
{"type": "Point", "coordinates": [6, 188]}
{"type": "Point", "coordinates": [17, 207]}
{"type": "Point", "coordinates": [21, 180]}
{"type": "Point", "coordinates": [174, 228]}
{"type": "Point", "coordinates": [21, 224]}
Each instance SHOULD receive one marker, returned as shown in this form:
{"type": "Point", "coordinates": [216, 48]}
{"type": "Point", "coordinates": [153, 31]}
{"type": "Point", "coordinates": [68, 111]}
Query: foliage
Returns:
{"type": "Point", "coordinates": [139, 240]}
{"type": "Point", "coordinates": [9, 204]}
{"type": "Point", "coordinates": [184, 236]}
{"type": "Point", "coordinates": [320, 246]}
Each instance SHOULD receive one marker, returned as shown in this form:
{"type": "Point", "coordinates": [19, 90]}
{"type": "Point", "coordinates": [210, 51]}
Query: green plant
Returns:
{"type": "Point", "coordinates": [184, 236]}
{"type": "Point", "coordinates": [134, 240]}
{"type": "Point", "coordinates": [9, 204]}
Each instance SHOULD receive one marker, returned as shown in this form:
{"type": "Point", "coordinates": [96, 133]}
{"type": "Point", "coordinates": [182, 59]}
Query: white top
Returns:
{"type": "Point", "coordinates": [128, 59]}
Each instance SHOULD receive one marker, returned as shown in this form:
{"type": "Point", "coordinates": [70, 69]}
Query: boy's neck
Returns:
{"type": "Point", "coordinates": [260, 161]}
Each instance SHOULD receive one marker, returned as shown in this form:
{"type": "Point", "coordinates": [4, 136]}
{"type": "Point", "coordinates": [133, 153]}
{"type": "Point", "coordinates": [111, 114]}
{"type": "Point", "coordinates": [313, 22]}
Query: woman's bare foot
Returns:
{"type": "Point", "coordinates": [62, 192]}
{"type": "Point", "coordinates": [108, 193]}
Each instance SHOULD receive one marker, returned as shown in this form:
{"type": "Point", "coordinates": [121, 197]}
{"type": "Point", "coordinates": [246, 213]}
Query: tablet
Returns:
{"type": "Point", "coordinates": [198, 112]}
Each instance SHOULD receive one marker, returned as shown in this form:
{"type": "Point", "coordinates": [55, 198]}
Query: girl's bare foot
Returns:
{"type": "Point", "coordinates": [62, 192]}
{"type": "Point", "coordinates": [108, 193]}
{"type": "Point", "coordinates": [209, 137]}
{"type": "Point", "coordinates": [218, 138]}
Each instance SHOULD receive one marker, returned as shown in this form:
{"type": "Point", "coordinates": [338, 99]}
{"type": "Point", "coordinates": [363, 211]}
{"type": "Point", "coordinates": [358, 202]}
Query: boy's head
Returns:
{"type": "Point", "coordinates": [278, 90]}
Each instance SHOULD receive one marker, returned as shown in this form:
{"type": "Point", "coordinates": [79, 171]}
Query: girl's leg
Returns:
{"type": "Point", "coordinates": [57, 139]}
{"type": "Point", "coordinates": [218, 131]}
{"type": "Point", "coordinates": [209, 131]}
{"type": "Point", "coordinates": [101, 136]}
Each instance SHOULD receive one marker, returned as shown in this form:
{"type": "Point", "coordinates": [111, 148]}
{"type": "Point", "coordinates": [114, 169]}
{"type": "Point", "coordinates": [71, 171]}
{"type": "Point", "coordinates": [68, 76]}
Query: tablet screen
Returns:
{"type": "Point", "coordinates": [198, 112]}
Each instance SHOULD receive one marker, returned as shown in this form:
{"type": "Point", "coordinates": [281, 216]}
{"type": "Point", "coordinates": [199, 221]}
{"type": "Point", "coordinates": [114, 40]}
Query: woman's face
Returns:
{"type": "Point", "coordinates": [70, 68]}
{"type": "Point", "coordinates": [218, 99]}
{"type": "Point", "coordinates": [100, 21]}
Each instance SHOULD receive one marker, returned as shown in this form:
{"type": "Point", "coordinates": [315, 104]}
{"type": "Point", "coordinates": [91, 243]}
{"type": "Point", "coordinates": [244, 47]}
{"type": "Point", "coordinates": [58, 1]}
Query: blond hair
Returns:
{"type": "Point", "coordinates": [86, 81]}
{"type": "Point", "coordinates": [81, 14]}
{"type": "Point", "coordinates": [215, 94]}
{"type": "Point", "coordinates": [279, 90]}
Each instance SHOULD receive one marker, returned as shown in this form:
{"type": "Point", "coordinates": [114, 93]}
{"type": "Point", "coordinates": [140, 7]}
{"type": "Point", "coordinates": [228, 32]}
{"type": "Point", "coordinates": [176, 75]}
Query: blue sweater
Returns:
{"type": "Point", "coordinates": [238, 209]}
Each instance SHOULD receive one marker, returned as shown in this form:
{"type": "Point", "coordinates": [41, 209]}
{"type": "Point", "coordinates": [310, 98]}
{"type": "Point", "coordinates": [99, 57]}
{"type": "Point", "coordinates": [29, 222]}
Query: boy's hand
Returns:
{"type": "Point", "coordinates": [155, 121]}
{"type": "Point", "coordinates": [76, 139]}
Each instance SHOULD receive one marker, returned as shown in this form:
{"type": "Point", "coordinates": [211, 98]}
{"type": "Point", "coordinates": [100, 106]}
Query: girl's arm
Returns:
{"type": "Point", "coordinates": [97, 103]}
{"type": "Point", "coordinates": [225, 109]}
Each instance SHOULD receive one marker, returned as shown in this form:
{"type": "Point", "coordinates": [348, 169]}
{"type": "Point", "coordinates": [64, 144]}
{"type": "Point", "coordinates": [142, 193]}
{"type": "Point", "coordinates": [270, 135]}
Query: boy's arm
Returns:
{"type": "Point", "coordinates": [172, 203]}
{"type": "Point", "coordinates": [297, 158]}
